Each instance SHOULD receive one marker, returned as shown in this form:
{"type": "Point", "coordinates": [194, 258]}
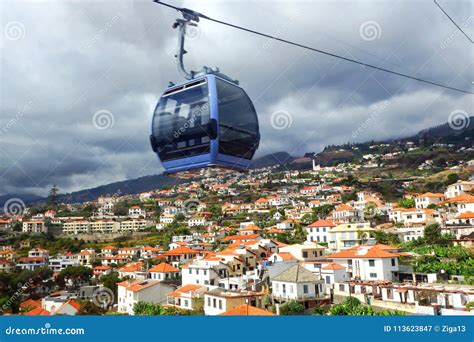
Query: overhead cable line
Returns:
{"type": "Point", "coordinates": [452, 20]}
{"type": "Point", "coordinates": [193, 14]}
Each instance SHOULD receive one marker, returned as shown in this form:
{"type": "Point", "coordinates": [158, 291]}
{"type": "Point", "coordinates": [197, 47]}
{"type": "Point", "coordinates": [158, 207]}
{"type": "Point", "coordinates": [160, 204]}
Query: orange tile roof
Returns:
{"type": "Point", "coordinates": [138, 284]}
{"type": "Point", "coordinates": [286, 256]}
{"type": "Point", "coordinates": [464, 198]}
{"type": "Point", "coordinates": [30, 303]}
{"type": "Point", "coordinates": [110, 248]}
{"type": "Point", "coordinates": [274, 231]}
{"type": "Point", "coordinates": [241, 237]}
{"type": "Point", "coordinates": [246, 310]}
{"type": "Point", "coordinates": [186, 289]}
{"type": "Point", "coordinates": [430, 194]}
{"type": "Point", "coordinates": [102, 268]}
{"type": "Point", "coordinates": [179, 251]}
{"type": "Point", "coordinates": [343, 207]}
{"type": "Point", "coordinates": [250, 227]}
{"type": "Point", "coordinates": [467, 215]}
{"type": "Point", "coordinates": [364, 252]}
{"type": "Point", "coordinates": [333, 266]}
{"type": "Point", "coordinates": [133, 267]}
{"type": "Point", "coordinates": [322, 223]}
{"type": "Point", "coordinates": [163, 268]}
{"type": "Point", "coordinates": [75, 304]}
{"type": "Point", "coordinates": [38, 312]}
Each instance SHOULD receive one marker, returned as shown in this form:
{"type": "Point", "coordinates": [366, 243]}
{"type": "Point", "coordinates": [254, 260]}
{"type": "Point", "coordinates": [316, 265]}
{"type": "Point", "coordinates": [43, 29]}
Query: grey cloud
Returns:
{"type": "Point", "coordinates": [78, 58]}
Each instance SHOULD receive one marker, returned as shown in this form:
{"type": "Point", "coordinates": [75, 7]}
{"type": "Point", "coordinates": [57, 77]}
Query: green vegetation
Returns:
{"type": "Point", "coordinates": [74, 275]}
{"type": "Point", "coordinates": [406, 203]}
{"type": "Point", "coordinates": [352, 306]}
{"type": "Point", "coordinates": [438, 255]}
{"type": "Point", "coordinates": [88, 308]}
{"type": "Point", "coordinates": [15, 284]}
{"type": "Point", "coordinates": [386, 238]}
{"type": "Point", "coordinates": [291, 308]}
{"type": "Point", "coordinates": [152, 309]}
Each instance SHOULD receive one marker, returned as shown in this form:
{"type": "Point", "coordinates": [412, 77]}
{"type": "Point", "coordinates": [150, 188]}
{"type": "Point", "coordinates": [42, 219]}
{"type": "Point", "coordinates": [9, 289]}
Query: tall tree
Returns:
{"type": "Point", "coordinates": [53, 195]}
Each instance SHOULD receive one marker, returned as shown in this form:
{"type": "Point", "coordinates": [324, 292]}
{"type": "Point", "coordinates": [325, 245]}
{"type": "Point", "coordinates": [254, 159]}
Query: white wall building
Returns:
{"type": "Point", "coordinates": [131, 292]}
{"type": "Point", "coordinates": [368, 262]}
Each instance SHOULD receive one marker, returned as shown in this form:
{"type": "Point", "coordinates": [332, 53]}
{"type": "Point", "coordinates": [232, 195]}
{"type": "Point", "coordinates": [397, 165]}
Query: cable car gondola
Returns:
{"type": "Point", "coordinates": [207, 121]}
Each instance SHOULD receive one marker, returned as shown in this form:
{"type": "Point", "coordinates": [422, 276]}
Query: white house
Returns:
{"type": "Point", "coordinates": [410, 233]}
{"type": "Point", "coordinates": [131, 292]}
{"type": "Point", "coordinates": [204, 272]}
{"type": "Point", "coordinates": [344, 213]}
{"type": "Point", "coordinates": [164, 271]}
{"type": "Point", "coordinates": [307, 251]}
{"type": "Point", "coordinates": [136, 211]}
{"type": "Point", "coordinates": [318, 231]}
{"type": "Point", "coordinates": [332, 273]}
{"type": "Point", "coordinates": [60, 262]}
{"type": "Point", "coordinates": [299, 284]}
{"type": "Point", "coordinates": [34, 226]}
{"type": "Point", "coordinates": [196, 221]}
{"type": "Point", "coordinates": [424, 200]}
{"type": "Point", "coordinates": [187, 297]}
{"type": "Point", "coordinates": [347, 235]}
{"type": "Point", "coordinates": [218, 300]}
{"type": "Point", "coordinates": [368, 262]}
{"type": "Point", "coordinates": [458, 188]}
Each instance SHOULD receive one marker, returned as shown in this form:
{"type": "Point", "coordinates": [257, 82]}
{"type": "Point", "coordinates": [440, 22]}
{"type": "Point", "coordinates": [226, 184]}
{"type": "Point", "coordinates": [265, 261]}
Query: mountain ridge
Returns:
{"type": "Point", "coordinates": [443, 133]}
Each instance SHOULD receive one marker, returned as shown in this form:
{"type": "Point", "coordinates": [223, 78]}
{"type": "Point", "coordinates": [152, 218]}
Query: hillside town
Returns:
{"type": "Point", "coordinates": [266, 242]}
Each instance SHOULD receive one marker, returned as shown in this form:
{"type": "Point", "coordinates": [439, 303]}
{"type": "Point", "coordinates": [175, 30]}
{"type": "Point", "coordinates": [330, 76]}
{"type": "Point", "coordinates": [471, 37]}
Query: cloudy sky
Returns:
{"type": "Point", "coordinates": [79, 79]}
